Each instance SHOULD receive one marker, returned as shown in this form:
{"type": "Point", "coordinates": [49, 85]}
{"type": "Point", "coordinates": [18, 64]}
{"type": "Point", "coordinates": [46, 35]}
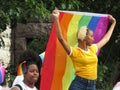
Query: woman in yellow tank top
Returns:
{"type": "Point", "coordinates": [84, 56]}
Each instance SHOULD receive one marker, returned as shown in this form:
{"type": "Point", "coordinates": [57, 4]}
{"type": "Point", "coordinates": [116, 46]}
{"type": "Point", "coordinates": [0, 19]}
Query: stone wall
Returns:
{"type": "Point", "coordinates": [16, 39]}
{"type": "Point", "coordinates": [22, 32]}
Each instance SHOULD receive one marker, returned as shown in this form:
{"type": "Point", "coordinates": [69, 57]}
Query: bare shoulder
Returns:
{"type": "Point", "coordinates": [15, 88]}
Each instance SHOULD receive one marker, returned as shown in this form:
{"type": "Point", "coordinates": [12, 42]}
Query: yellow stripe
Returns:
{"type": "Point", "coordinates": [71, 39]}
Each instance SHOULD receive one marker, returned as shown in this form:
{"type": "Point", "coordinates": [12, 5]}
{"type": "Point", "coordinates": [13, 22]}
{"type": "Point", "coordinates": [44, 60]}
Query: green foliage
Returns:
{"type": "Point", "coordinates": [4, 20]}
{"type": "Point", "coordinates": [15, 11]}
{"type": "Point", "coordinates": [102, 78]}
{"type": "Point", "coordinates": [10, 74]}
{"type": "Point", "coordinates": [2, 44]}
{"type": "Point", "coordinates": [103, 69]}
{"type": "Point", "coordinates": [23, 11]}
{"type": "Point", "coordinates": [62, 4]}
{"type": "Point", "coordinates": [38, 43]}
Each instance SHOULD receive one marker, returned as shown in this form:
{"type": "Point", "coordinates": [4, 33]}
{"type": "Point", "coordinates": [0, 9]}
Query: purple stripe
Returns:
{"type": "Point", "coordinates": [101, 29]}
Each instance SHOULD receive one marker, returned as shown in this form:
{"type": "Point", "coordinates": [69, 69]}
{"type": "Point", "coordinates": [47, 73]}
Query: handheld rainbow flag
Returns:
{"type": "Point", "coordinates": [57, 70]}
{"type": "Point", "coordinates": [21, 68]}
{"type": "Point", "coordinates": [2, 73]}
{"type": "Point", "coordinates": [42, 56]}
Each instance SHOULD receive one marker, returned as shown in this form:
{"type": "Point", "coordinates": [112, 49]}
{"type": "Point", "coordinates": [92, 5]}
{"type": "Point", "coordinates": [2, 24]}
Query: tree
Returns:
{"type": "Point", "coordinates": [24, 11]}
{"type": "Point", "coordinates": [13, 11]}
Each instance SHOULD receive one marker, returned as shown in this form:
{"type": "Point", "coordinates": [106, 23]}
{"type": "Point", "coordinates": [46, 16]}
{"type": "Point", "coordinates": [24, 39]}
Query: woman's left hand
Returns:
{"type": "Point", "coordinates": [112, 19]}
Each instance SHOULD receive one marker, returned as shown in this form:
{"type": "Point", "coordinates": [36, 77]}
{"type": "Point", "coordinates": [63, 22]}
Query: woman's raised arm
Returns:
{"type": "Point", "coordinates": [64, 43]}
{"type": "Point", "coordinates": [107, 36]}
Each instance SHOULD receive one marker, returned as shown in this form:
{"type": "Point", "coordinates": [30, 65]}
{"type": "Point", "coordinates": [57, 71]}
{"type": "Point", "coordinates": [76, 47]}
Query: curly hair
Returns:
{"type": "Point", "coordinates": [31, 57]}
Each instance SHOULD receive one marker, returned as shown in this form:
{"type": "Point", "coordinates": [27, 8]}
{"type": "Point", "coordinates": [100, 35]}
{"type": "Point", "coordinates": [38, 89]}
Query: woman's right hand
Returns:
{"type": "Point", "coordinates": [56, 13]}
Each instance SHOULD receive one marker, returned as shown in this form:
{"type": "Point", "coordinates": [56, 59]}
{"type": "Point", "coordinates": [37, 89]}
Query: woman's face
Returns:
{"type": "Point", "coordinates": [89, 38]}
{"type": "Point", "coordinates": [32, 73]}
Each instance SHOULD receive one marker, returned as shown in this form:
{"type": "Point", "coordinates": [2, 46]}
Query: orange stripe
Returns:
{"type": "Point", "coordinates": [19, 71]}
{"type": "Point", "coordinates": [61, 58]}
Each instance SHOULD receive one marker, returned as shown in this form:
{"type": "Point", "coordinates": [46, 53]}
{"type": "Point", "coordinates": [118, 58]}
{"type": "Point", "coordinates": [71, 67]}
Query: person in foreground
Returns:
{"type": "Point", "coordinates": [116, 79]}
{"type": "Point", "coordinates": [84, 56]}
{"type": "Point", "coordinates": [31, 71]}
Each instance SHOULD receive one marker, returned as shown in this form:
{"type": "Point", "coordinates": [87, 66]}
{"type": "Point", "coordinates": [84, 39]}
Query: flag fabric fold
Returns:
{"type": "Point", "coordinates": [57, 71]}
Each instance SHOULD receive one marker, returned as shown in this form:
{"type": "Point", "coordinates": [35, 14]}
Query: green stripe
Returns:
{"type": "Point", "coordinates": [84, 21]}
{"type": "Point", "coordinates": [71, 39]}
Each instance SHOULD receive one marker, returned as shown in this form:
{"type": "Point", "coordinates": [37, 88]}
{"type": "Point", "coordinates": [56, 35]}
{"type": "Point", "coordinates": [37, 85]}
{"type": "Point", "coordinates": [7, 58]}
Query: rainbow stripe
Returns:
{"type": "Point", "coordinates": [2, 73]}
{"type": "Point", "coordinates": [21, 68]}
{"type": "Point", "coordinates": [42, 55]}
{"type": "Point", "coordinates": [57, 70]}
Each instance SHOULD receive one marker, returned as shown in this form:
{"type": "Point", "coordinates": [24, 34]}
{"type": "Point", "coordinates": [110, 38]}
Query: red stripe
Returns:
{"type": "Point", "coordinates": [49, 62]}
{"type": "Point", "coordinates": [60, 63]}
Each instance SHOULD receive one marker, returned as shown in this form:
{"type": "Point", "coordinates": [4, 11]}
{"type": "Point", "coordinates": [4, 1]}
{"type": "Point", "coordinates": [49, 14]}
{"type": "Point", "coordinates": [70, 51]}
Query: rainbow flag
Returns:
{"type": "Point", "coordinates": [21, 68]}
{"type": "Point", "coordinates": [42, 55]}
{"type": "Point", "coordinates": [57, 70]}
{"type": "Point", "coordinates": [2, 73]}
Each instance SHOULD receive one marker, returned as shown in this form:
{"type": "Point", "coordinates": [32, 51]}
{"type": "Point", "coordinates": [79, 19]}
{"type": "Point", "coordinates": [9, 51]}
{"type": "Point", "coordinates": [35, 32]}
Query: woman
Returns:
{"type": "Point", "coordinates": [31, 71]}
{"type": "Point", "coordinates": [84, 56]}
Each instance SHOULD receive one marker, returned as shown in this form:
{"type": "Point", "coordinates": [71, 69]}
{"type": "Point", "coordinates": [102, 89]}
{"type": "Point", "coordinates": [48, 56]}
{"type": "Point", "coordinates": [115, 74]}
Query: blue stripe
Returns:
{"type": "Point", "coordinates": [93, 23]}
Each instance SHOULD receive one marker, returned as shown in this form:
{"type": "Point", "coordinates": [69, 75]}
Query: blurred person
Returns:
{"type": "Point", "coordinates": [31, 65]}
